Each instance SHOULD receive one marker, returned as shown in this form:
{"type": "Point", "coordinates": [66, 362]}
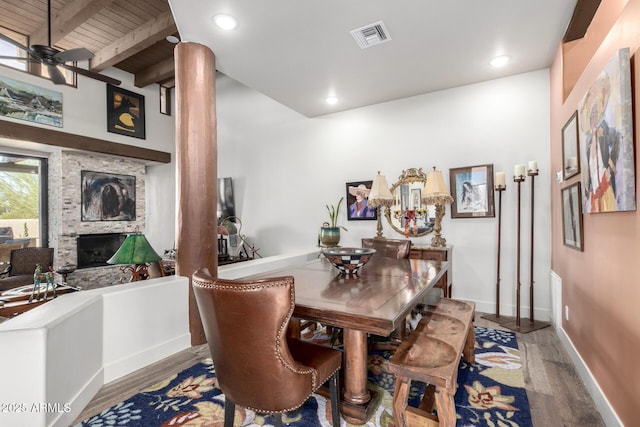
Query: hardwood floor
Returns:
{"type": "Point", "coordinates": [556, 394]}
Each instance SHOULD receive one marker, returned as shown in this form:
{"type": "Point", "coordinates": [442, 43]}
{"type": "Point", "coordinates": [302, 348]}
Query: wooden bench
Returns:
{"type": "Point", "coordinates": [431, 354]}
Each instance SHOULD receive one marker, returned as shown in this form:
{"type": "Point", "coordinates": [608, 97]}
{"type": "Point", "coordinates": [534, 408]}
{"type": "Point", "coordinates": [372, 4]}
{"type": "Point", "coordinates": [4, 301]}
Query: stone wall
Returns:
{"type": "Point", "coordinates": [65, 222]}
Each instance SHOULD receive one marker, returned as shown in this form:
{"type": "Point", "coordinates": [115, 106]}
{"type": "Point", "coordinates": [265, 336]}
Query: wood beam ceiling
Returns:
{"type": "Point", "coordinates": [122, 34]}
{"type": "Point", "coordinates": [134, 42]}
{"type": "Point", "coordinates": [67, 19]}
{"type": "Point", "coordinates": [158, 73]}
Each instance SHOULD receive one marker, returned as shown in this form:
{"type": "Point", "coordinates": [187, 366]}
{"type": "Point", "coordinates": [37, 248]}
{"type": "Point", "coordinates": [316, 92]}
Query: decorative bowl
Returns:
{"type": "Point", "coordinates": [348, 260]}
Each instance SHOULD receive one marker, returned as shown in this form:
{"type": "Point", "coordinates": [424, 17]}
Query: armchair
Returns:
{"type": "Point", "coordinates": [256, 365]}
{"type": "Point", "coordinates": [23, 264]}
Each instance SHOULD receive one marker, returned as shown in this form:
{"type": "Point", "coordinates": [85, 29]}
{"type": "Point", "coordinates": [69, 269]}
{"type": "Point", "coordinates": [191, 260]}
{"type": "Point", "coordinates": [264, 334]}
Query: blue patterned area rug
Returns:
{"type": "Point", "coordinates": [490, 393]}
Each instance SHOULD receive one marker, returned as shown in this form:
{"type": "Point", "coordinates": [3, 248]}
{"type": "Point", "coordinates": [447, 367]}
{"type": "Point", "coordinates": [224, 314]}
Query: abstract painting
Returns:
{"type": "Point", "coordinates": [606, 140]}
{"type": "Point", "coordinates": [125, 112]}
{"type": "Point", "coordinates": [108, 196]}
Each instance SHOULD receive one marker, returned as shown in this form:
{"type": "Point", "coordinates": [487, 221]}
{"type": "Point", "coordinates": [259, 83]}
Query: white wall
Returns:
{"type": "Point", "coordinates": [286, 167]}
{"type": "Point", "coordinates": [85, 113]}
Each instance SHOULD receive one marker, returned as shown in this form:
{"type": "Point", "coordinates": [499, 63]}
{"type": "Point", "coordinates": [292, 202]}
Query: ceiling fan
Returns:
{"type": "Point", "coordinates": [54, 58]}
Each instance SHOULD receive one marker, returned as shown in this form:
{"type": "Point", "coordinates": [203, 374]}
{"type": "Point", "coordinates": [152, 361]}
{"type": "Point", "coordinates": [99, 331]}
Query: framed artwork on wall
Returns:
{"type": "Point", "coordinates": [570, 158]}
{"type": "Point", "coordinates": [472, 191]}
{"type": "Point", "coordinates": [606, 140]}
{"type": "Point", "coordinates": [572, 217]}
{"type": "Point", "coordinates": [125, 112]}
{"type": "Point", "coordinates": [107, 196]}
{"type": "Point", "coordinates": [31, 103]}
{"type": "Point", "coordinates": [357, 198]}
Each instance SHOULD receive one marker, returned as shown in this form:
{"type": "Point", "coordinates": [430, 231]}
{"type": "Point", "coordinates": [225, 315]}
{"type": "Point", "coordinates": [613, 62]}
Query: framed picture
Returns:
{"type": "Point", "coordinates": [606, 140]}
{"type": "Point", "coordinates": [108, 196]}
{"type": "Point", "coordinates": [472, 192]}
{"type": "Point", "coordinates": [570, 158]}
{"type": "Point", "coordinates": [357, 197]}
{"type": "Point", "coordinates": [31, 103]}
{"type": "Point", "coordinates": [125, 112]}
{"type": "Point", "coordinates": [572, 217]}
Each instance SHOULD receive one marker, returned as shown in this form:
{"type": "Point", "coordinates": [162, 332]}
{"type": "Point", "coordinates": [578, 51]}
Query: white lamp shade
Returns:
{"type": "Point", "coordinates": [435, 191]}
{"type": "Point", "coordinates": [380, 194]}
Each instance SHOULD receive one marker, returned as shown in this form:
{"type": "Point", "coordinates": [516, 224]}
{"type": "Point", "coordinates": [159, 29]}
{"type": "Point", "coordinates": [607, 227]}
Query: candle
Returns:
{"type": "Point", "coordinates": [533, 166]}
{"type": "Point", "coordinates": [500, 180]}
{"type": "Point", "coordinates": [518, 171]}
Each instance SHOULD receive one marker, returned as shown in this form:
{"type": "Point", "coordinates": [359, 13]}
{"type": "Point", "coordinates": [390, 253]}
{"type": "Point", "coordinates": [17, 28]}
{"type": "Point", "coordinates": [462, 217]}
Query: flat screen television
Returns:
{"type": "Point", "coordinates": [226, 204]}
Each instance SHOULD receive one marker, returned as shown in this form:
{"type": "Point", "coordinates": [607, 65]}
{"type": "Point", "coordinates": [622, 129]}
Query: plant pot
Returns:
{"type": "Point", "coordinates": [329, 236]}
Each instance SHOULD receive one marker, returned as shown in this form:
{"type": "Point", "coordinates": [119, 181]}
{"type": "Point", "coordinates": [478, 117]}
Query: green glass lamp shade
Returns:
{"type": "Point", "coordinates": [135, 250]}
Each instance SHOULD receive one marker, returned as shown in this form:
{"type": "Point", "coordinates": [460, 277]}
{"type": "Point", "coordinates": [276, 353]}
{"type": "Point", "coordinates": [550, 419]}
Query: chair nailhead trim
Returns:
{"type": "Point", "coordinates": [220, 284]}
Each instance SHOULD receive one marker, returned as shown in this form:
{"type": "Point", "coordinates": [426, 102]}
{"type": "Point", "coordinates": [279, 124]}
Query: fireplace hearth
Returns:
{"type": "Point", "coordinates": [95, 249]}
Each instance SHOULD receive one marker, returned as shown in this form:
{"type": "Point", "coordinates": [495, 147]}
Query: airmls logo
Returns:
{"type": "Point", "coordinates": [51, 407]}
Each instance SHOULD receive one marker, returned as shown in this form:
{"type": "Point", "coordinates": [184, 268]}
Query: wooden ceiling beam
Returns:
{"type": "Point", "coordinates": [67, 19]}
{"type": "Point", "coordinates": [157, 73]}
{"type": "Point", "coordinates": [24, 132]}
{"type": "Point", "coordinates": [582, 16]}
{"type": "Point", "coordinates": [169, 84]}
{"type": "Point", "coordinates": [134, 42]}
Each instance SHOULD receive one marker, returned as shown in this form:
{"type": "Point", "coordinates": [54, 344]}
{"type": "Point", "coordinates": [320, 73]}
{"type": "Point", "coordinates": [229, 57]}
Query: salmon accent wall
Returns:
{"type": "Point", "coordinates": [601, 286]}
{"type": "Point", "coordinates": [576, 54]}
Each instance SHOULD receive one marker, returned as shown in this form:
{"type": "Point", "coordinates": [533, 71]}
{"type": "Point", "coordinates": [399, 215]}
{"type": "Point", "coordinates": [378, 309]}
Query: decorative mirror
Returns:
{"type": "Point", "coordinates": [409, 216]}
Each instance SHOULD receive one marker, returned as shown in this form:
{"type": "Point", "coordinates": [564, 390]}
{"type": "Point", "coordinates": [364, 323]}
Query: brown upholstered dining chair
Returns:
{"type": "Point", "coordinates": [257, 366]}
{"type": "Point", "coordinates": [390, 248]}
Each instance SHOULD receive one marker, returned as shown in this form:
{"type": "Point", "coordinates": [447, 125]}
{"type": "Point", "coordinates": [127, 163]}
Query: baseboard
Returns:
{"type": "Point", "coordinates": [80, 401]}
{"type": "Point", "coordinates": [133, 362]}
{"type": "Point", "coordinates": [609, 416]}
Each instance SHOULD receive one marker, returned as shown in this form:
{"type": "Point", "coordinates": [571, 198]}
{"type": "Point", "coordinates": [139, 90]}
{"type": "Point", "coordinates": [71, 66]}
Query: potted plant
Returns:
{"type": "Point", "coordinates": [330, 231]}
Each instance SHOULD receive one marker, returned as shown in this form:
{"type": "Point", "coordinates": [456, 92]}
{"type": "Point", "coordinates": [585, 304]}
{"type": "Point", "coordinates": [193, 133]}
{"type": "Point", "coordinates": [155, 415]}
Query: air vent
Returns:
{"type": "Point", "coordinates": [371, 35]}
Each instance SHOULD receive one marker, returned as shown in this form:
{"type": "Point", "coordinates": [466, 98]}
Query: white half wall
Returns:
{"type": "Point", "coordinates": [56, 357]}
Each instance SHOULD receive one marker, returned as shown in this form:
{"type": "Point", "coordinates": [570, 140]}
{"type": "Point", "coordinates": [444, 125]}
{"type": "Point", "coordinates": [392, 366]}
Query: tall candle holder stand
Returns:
{"type": "Point", "coordinates": [496, 317]}
{"type": "Point", "coordinates": [531, 324]}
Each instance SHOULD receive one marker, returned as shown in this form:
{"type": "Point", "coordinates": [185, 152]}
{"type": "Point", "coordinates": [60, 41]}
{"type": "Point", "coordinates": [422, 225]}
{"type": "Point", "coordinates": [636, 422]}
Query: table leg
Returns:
{"type": "Point", "coordinates": [355, 367]}
{"type": "Point", "coordinates": [293, 330]}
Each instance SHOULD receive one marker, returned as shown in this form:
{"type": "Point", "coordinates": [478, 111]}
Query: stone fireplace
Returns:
{"type": "Point", "coordinates": [67, 232]}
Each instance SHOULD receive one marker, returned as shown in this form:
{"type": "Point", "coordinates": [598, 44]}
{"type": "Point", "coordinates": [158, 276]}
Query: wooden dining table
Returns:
{"type": "Point", "coordinates": [375, 301]}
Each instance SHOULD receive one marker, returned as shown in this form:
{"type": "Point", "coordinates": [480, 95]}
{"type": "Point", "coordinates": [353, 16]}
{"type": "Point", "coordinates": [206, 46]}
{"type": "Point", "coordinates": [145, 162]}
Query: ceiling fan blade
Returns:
{"type": "Point", "coordinates": [73, 55]}
{"type": "Point", "coordinates": [13, 42]}
{"type": "Point", "coordinates": [92, 74]}
{"type": "Point", "coordinates": [56, 75]}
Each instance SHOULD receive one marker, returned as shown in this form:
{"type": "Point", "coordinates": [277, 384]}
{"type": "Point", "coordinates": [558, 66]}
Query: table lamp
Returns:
{"type": "Point", "coordinates": [134, 254]}
{"type": "Point", "coordinates": [379, 197]}
{"type": "Point", "coordinates": [436, 193]}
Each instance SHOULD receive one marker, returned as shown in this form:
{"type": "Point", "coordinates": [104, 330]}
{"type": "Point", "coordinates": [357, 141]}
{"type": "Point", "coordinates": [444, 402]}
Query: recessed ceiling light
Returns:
{"type": "Point", "coordinates": [172, 39]}
{"type": "Point", "coordinates": [226, 22]}
{"type": "Point", "coordinates": [331, 100]}
{"type": "Point", "coordinates": [499, 61]}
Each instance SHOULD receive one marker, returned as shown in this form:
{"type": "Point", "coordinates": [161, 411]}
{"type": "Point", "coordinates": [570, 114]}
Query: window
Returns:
{"type": "Point", "coordinates": [23, 198]}
{"type": "Point", "coordinates": [8, 49]}
{"type": "Point", "coordinates": [165, 100]}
